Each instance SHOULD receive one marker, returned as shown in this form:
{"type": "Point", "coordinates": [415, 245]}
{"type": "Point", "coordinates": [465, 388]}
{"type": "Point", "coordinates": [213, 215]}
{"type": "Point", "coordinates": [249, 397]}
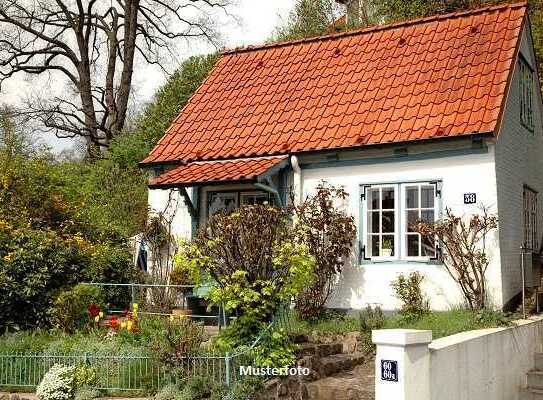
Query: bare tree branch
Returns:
{"type": "Point", "coordinates": [93, 45]}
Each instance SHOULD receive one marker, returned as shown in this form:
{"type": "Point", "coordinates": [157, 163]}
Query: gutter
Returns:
{"type": "Point", "coordinates": [270, 189]}
{"type": "Point", "coordinates": [297, 179]}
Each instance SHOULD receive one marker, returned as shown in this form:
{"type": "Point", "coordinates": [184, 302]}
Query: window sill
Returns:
{"type": "Point", "coordinates": [400, 262]}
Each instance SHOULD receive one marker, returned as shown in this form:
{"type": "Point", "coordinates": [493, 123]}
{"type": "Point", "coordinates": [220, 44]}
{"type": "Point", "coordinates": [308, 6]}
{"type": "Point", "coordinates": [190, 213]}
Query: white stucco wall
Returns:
{"type": "Point", "coordinates": [489, 364]}
{"type": "Point", "coordinates": [172, 203]}
{"type": "Point", "coordinates": [369, 283]}
{"type": "Point", "coordinates": [486, 364]}
{"type": "Point", "coordinates": [519, 161]}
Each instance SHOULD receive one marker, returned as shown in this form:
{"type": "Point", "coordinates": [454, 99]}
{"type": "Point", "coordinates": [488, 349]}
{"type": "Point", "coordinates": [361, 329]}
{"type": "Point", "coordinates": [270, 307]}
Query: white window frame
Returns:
{"type": "Point", "coordinates": [396, 222]}
{"type": "Point", "coordinates": [526, 94]}
{"type": "Point", "coordinates": [400, 238]}
{"type": "Point", "coordinates": [224, 194]}
{"type": "Point", "coordinates": [530, 212]}
{"type": "Point", "coordinates": [403, 218]}
{"type": "Point", "coordinates": [256, 193]}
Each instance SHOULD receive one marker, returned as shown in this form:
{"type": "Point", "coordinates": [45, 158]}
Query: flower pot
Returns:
{"type": "Point", "coordinates": [386, 252]}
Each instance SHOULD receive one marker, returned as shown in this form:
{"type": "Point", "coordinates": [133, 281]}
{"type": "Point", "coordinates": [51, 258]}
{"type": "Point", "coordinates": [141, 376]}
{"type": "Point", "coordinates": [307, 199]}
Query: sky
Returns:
{"type": "Point", "coordinates": [256, 21]}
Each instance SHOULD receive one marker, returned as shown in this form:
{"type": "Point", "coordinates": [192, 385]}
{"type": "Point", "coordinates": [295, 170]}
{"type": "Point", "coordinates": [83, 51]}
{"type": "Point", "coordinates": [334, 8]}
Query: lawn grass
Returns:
{"type": "Point", "coordinates": [448, 323]}
{"type": "Point", "coordinates": [441, 323]}
{"type": "Point", "coordinates": [330, 323]}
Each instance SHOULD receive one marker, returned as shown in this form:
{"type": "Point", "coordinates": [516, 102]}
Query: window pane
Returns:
{"type": "Point", "coordinates": [254, 198]}
{"type": "Point", "coordinates": [413, 245]}
{"type": "Point", "coordinates": [427, 197]}
{"type": "Point", "coordinates": [427, 215]}
{"type": "Point", "coordinates": [388, 221]}
{"type": "Point", "coordinates": [374, 199]}
{"type": "Point", "coordinates": [526, 87]}
{"type": "Point", "coordinates": [412, 194]}
{"type": "Point", "coordinates": [373, 221]}
{"type": "Point", "coordinates": [387, 246]}
{"type": "Point", "coordinates": [388, 199]}
{"type": "Point", "coordinates": [222, 202]}
{"type": "Point", "coordinates": [530, 219]}
{"type": "Point", "coordinates": [374, 246]}
{"type": "Point", "coordinates": [412, 219]}
{"type": "Point", "coordinates": [428, 247]}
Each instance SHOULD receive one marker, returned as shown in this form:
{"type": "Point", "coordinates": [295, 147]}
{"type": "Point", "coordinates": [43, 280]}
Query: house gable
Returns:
{"type": "Point", "coordinates": [519, 164]}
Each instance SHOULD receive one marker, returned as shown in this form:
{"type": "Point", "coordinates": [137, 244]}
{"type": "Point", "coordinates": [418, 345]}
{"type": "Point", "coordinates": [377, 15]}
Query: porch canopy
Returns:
{"type": "Point", "coordinates": [201, 173]}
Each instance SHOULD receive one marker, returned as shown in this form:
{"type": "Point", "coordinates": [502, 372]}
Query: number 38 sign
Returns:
{"type": "Point", "coordinates": [470, 198]}
{"type": "Point", "coordinates": [389, 370]}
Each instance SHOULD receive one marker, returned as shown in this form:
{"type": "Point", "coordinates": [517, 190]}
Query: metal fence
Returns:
{"type": "Point", "coordinates": [116, 373]}
{"type": "Point", "coordinates": [109, 372]}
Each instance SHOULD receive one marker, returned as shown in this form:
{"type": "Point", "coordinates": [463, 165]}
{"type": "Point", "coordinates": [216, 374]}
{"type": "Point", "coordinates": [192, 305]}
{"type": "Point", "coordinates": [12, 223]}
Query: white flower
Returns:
{"type": "Point", "coordinates": [57, 384]}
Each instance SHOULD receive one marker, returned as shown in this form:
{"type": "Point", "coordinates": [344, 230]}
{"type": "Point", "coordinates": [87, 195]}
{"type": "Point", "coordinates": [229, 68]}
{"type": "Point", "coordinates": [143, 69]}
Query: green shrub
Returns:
{"type": "Point", "coordinates": [193, 388]}
{"type": "Point", "coordinates": [178, 338]}
{"type": "Point", "coordinates": [70, 309]}
{"type": "Point", "coordinates": [57, 383]}
{"type": "Point", "coordinates": [254, 264]}
{"type": "Point", "coordinates": [370, 319]}
{"type": "Point", "coordinates": [409, 291]}
{"type": "Point", "coordinates": [252, 258]}
{"type": "Point", "coordinates": [493, 318]}
{"type": "Point", "coordinates": [240, 332]}
{"type": "Point", "coordinates": [167, 392]}
{"type": "Point", "coordinates": [200, 387]}
{"type": "Point", "coordinates": [85, 376]}
{"type": "Point", "coordinates": [37, 265]}
{"type": "Point", "coordinates": [329, 234]}
{"type": "Point", "coordinates": [87, 394]}
{"type": "Point", "coordinates": [244, 389]}
{"type": "Point", "coordinates": [275, 350]}
{"type": "Point", "coordinates": [34, 266]}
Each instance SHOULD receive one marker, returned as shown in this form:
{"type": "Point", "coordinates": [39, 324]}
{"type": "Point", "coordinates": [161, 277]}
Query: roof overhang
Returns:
{"type": "Point", "coordinates": [204, 173]}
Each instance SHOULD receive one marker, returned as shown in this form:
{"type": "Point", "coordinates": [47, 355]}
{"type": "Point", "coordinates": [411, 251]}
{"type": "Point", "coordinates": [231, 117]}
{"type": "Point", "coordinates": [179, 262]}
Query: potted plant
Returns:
{"type": "Point", "coordinates": [386, 250]}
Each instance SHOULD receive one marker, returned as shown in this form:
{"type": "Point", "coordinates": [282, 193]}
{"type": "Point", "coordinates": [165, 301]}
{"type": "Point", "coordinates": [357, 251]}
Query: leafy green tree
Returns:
{"type": "Point", "coordinates": [47, 243]}
{"type": "Point", "coordinates": [309, 18]}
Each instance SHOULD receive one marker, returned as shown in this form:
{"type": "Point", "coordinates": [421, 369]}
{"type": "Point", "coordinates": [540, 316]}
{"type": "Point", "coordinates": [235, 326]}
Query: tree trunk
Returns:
{"type": "Point", "coordinates": [131, 20]}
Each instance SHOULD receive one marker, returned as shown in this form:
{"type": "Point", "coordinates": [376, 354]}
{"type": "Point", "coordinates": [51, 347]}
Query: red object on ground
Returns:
{"type": "Point", "coordinates": [93, 310]}
{"type": "Point", "coordinates": [114, 323]}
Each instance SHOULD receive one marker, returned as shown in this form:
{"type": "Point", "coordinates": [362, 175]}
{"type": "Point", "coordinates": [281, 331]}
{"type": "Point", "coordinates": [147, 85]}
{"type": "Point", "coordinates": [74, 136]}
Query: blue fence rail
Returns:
{"type": "Point", "coordinates": [114, 373]}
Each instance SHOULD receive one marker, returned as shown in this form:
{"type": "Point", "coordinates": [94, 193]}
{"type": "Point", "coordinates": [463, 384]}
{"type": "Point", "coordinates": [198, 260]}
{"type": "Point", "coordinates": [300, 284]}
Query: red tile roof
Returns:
{"type": "Point", "coordinates": [194, 173]}
{"type": "Point", "coordinates": [441, 76]}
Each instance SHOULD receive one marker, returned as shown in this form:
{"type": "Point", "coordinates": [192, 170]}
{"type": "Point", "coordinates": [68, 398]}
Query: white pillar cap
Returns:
{"type": "Point", "coordinates": [401, 337]}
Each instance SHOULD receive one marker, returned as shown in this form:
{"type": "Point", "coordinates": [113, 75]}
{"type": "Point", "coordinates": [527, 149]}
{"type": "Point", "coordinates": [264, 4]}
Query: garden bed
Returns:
{"type": "Point", "coordinates": [441, 323]}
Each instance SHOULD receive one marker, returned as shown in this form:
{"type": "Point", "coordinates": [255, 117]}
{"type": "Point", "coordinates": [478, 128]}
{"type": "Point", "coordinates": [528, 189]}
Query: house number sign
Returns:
{"type": "Point", "coordinates": [470, 198]}
{"type": "Point", "coordinates": [389, 370]}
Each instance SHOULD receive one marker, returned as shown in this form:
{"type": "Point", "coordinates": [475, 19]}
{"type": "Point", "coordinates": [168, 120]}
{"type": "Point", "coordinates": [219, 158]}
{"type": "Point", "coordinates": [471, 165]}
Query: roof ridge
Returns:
{"type": "Point", "coordinates": [376, 28]}
{"type": "Point", "coordinates": [237, 159]}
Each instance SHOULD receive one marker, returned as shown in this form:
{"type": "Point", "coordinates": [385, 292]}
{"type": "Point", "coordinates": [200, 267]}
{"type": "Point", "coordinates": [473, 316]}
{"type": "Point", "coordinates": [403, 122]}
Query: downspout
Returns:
{"type": "Point", "coordinates": [297, 179]}
{"type": "Point", "coordinates": [268, 188]}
